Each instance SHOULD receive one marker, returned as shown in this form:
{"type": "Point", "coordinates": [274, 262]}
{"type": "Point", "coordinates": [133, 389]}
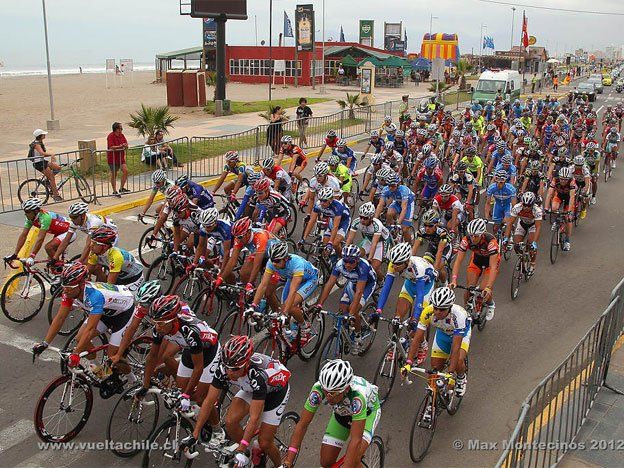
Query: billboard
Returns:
{"type": "Point", "coordinates": [232, 9]}
{"type": "Point", "coordinates": [393, 37]}
{"type": "Point", "coordinates": [304, 27]}
{"type": "Point", "coordinates": [209, 33]}
{"type": "Point", "coordinates": [367, 32]}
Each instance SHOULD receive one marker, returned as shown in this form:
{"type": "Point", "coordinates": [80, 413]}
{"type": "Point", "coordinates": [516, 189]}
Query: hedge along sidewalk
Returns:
{"type": "Point", "coordinates": [124, 206]}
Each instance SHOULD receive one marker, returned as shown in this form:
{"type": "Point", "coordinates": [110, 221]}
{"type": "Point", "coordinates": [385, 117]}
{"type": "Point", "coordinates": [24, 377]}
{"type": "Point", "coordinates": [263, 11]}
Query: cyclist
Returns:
{"type": "Point", "coordinates": [496, 156]}
{"type": "Point", "coordinates": [534, 179]}
{"type": "Point", "coordinates": [82, 220]}
{"type": "Point", "coordinates": [322, 178]}
{"type": "Point", "coordinates": [161, 184]}
{"type": "Point", "coordinates": [592, 158]}
{"type": "Point", "coordinates": [474, 163]}
{"type": "Point", "coordinates": [185, 224]}
{"type": "Point", "coordinates": [484, 262]}
{"type": "Point", "coordinates": [122, 267]}
{"type": "Point", "coordinates": [438, 243]}
{"type": "Point", "coordinates": [507, 166]}
{"type": "Point", "coordinates": [298, 157]}
{"type": "Point", "coordinates": [582, 176]}
{"type": "Point", "coordinates": [342, 173]}
{"type": "Point", "coordinates": [271, 206]}
{"type": "Point", "coordinates": [301, 280]}
{"type": "Point", "coordinates": [610, 145]}
{"type": "Point", "coordinates": [529, 216]}
{"type": "Point", "coordinates": [247, 204]}
{"type": "Point", "coordinates": [331, 140]}
{"type": "Point", "coordinates": [346, 155]}
{"type": "Point", "coordinates": [198, 195]}
{"type": "Point", "coordinates": [562, 192]}
{"type": "Point", "coordinates": [47, 222]}
{"type": "Point", "coordinates": [338, 216]}
{"type": "Point", "coordinates": [464, 184]}
{"type": "Point", "coordinates": [215, 238]}
{"type": "Point", "coordinates": [431, 178]}
{"type": "Point", "coordinates": [370, 174]}
{"type": "Point", "coordinates": [501, 196]}
{"type": "Point", "coordinates": [400, 205]}
{"type": "Point", "coordinates": [234, 166]}
{"type": "Point", "coordinates": [376, 142]}
{"type": "Point", "coordinates": [263, 395]}
{"type": "Point", "coordinates": [355, 414]}
{"type": "Point", "coordinates": [361, 283]}
{"type": "Point", "coordinates": [419, 278]}
{"type": "Point", "coordinates": [375, 236]}
{"type": "Point", "coordinates": [282, 182]}
{"type": "Point", "coordinates": [453, 329]}
{"type": "Point", "coordinates": [450, 208]}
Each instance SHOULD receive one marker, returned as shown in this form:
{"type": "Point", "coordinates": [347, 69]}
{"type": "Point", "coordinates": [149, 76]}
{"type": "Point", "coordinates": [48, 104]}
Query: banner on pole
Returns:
{"type": "Point", "coordinates": [304, 27]}
{"type": "Point", "coordinates": [367, 32]}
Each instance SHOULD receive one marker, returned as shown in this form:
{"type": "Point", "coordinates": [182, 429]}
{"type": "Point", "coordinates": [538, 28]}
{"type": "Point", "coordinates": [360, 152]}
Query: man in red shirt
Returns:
{"type": "Point", "coordinates": [116, 155]}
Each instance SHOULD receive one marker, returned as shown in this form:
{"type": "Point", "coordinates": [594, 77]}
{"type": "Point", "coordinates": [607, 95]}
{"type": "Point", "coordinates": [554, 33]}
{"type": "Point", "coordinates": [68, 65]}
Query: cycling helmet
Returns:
{"type": "Point", "coordinates": [341, 142]}
{"type": "Point", "coordinates": [389, 145]}
{"type": "Point", "coordinates": [241, 227]}
{"type": "Point", "coordinates": [179, 203]}
{"type": "Point", "coordinates": [253, 177]}
{"type": "Point", "coordinates": [287, 139]}
{"type": "Point", "coordinates": [414, 125]}
{"type": "Point", "coordinates": [579, 160]}
{"type": "Point", "coordinates": [32, 204]}
{"type": "Point", "coordinates": [278, 251]}
{"type": "Point", "coordinates": [374, 133]}
{"type": "Point", "coordinates": [104, 235]}
{"type": "Point", "coordinates": [445, 189]}
{"type": "Point", "coordinates": [535, 165]}
{"type": "Point", "coordinates": [470, 151]}
{"type": "Point", "coordinates": [565, 172]}
{"type": "Point", "coordinates": [476, 227]}
{"type": "Point", "coordinates": [376, 159]}
{"type": "Point", "coordinates": [158, 176]}
{"type": "Point", "coordinates": [497, 138]}
{"type": "Point", "coordinates": [431, 217]}
{"type": "Point", "coordinates": [430, 162]}
{"type": "Point", "coordinates": [400, 134]}
{"type": "Point", "coordinates": [490, 127]}
{"type": "Point", "coordinates": [501, 145]}
{"type": "Point", "coordinates": [78, 208]}
{"type": "Point", "coordinates": [527, 140]}
{"type": "Point", "coordinates": [237, 351]}
{"type": "Point", "coordinates": [326, 193]}
{"type": "Point", "coordinates": [401, 253]}
{"type": "Point", "coordinates": [461, 166]}
{"type": "Point", "coordinates": [383, 173]}
{"type": "Point", "coordinates": [74, 274]}
{"type": "Point", "coordinates": [533, 146]}
{"type": "Point", "coordinates": [501, 175]}
{"type": "Point", "coordinates": [148, 291]}
{"type": "Point", "coordinates": [336, 375]}
{"type": "Point", "coordinates": [208, 217]}
{"type": "Point", "coordinates": [613, 130]}
{"type": "Point", "coordinates": [455, 133]}
{"type": "Point", "coordinates": [367, 210]}
{"type": "Point", "coordinates": [506, 159]}
{"type": "Point", "coordinates": [422, 132]}
{"type": "Point", "coordinates": [432, 128]}
{"type": "Point", "coordinates": [393, 178]}
{"type": "Point", "coordinates": [387, 118]}
{"type": "Point", "coordinates": [333, 160]}
{"type": "Point", "coordinates": [231, 156]}
{"type": "Point", "coordinates": [172, 192]}
{"type": "Point", "coordinates": [321, 169]}
{"type": "Point", "coordinates": [351, 251]}
{"type": "Point", "coordinates": [528, 198]}
{"type": "Point", "coordinates": [165, 308]}
{"type": "Point", "coordinates": [182, 181]}
{"type": "Point", "coordinates": [559, 141]}
{"type": "Point", "coordinates": [331, 134]}
{"type": "Point", "coordinates": [426, 149]}
{"type": "Point", "coordinates": [469, 126]}
{"type": "Point", "coordinates": [592, 145]}
{"type": "Point", "coordinates": [442, 298]}
{"type": "Point", "coordinates": [392, 128]}
{"type": "Point", "coordinates": [268, 163]}
{"type": "Point", "coordinates": [562, 152]}
{"type": "Point", "coordinates": [262, 185]}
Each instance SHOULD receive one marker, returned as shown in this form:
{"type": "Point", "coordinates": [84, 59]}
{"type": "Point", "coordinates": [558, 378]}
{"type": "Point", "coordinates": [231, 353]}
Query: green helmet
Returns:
{"type": "Point", "coordinates": [148, 291]}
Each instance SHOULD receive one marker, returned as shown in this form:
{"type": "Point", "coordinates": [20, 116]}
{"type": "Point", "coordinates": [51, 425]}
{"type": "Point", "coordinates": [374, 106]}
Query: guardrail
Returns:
{"type": "Point", "coordinates": [554, 412]}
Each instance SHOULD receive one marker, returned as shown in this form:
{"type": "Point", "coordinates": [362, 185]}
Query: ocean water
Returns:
{"type": "Point", "coordinates": [32, 71]}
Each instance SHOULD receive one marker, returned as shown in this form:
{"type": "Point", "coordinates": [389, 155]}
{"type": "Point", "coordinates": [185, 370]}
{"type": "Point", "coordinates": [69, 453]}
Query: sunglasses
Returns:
{"type": "Point", "coordinates": [350, 261]}
{"type": "Point", "coordinates": [365, 218]}
{"type": "Point", "coordinates": [429, 225]}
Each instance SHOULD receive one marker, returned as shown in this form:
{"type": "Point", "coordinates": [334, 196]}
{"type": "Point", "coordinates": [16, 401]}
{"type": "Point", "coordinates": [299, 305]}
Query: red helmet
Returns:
{"type": "Point", "coordinates": [179, 203]}
{"type": "Point", "coordinates": [262, 185]}
{"type": "Point", "coordinates": [74, 274]}
{"type": "Point", "coordinates": [241, 226]}
{"type": "Point", "coordinates": [104, 235]}
{"type": "Point", "coordinates": [467, 140]}
{"type": "Point", "coordinates": [237, 351]}
{"type": "Point", "coordinates": [165, 308]}
{"type": "Point", "coordinates": [173, 191]}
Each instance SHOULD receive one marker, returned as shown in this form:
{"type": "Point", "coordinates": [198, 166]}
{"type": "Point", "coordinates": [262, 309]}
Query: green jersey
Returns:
{"type": "Point", "coordinates": [361, 399]}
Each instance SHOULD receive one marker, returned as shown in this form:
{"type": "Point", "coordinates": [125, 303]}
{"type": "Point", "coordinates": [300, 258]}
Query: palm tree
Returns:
{"type": "Point", "coordinates": [150, 119]}
{"type": "Point", "coordinates": [352, 101]}
{"type": "Point", "coordinates": [267, 114]}
{"type": "Point", "coordinates": [463, 67]}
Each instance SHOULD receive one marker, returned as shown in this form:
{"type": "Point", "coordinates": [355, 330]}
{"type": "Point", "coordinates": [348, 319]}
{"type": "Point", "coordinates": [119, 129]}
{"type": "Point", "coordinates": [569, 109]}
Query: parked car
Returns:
{"type": "Point", "coordinates": [597, 80]}
{"type": "Point", "coordinates": [586, 88]}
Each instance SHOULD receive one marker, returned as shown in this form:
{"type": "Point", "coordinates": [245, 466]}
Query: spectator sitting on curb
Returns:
{"type": "Point", "coordinates": [37, 154]}
{"type": "Point", "coordinates": [116, 156]}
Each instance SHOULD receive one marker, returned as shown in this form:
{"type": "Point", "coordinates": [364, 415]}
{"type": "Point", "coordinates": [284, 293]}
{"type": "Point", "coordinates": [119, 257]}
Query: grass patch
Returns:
{"type": "Point", "coordinates": [455, 97]}
{"type": "Point", "coordinates": [241, 107]}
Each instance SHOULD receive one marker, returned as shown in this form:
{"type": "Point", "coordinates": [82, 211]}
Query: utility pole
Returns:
{"type": "Point", "coordinates": [513, 18]}
{"type": "Point", "coordinates": [52, 123]}
{"type": "Point", "coordinates": [270, 46]}
{"type": "Point", "coordinates": [322, 89]}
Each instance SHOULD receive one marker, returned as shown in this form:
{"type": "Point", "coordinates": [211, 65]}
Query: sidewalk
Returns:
{"type": "Point", "coordinates": [602, 435]}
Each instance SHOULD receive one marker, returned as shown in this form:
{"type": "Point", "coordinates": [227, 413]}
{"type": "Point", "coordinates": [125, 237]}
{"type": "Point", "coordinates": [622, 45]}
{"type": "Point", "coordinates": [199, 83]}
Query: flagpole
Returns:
{"type": "Point", "coordinates": [481, 49]}
{"type": "Point", "coordinates": [322, 90]}
{"type": "Point", "coordinates": [270, 46]}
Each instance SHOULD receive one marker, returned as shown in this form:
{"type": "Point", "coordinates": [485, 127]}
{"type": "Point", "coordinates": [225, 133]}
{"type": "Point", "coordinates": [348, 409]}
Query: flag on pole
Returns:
{"type": "Point", "coordinates": [288, 30]}
{"type": "Point", "coordinates": [342, 38]}
{"type": "Point", "coordinates": [488, 42]}
{"type": "Point", "coordinates": [405, 40]}
{"type": "Point", "coordinates": [525, 32]}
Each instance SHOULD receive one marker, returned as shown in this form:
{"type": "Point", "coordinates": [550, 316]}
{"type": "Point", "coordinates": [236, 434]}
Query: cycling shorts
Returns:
{"type": "Point", "coordinates": [396, 207]}
{"type": "Point", "coordinates": [343, 228]}
{"type": "Point", "coordinates": [116, 325]}
{"type": "Point", "coordinates": [379, 248]}
{"type": "Point", "coordinates": [348, 293]}
{"type": "Point", "coordinates": [408, 292]}
{"type": "Point", "coordinates": [501, 211]}
{"type": "Point", "coordinates": [429, 192]}
{"type": "Point", "coordinates": [274, 405]}
{"type": "Point", "coordinates": [211, 361]}
{"type": "Point", "coordinates": [306, 288]}
{"type": "Point", "coordinates": [523, 229]}
{"type": "Point", "coordinates": [480, 264]}
{"type": "Point", "coordinates": [339, 428]}
{"type": "Point", "coordinates": [442, 343]}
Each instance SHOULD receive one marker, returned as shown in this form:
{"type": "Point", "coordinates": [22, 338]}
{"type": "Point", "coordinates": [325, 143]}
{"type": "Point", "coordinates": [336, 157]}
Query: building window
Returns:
{"type": "Point", "coordinates": [331, 67]}
{"type": "Point", "coordinates": [256, 67]}
{"type": "Point", "coordinates": [318, 69]}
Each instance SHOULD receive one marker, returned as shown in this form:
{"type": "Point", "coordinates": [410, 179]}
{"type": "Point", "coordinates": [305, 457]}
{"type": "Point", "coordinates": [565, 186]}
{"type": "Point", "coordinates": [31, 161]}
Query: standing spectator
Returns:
{"type": "Point", "coordinates": [116, 155]}
{"type": "Point", "coordinates": [555, 82]}
{"type": "Point", "coordinates": [533, 82]}
{"type": "Point", "coordinates": [303, 114]}
{"type": "Point", "coordinates": [404, 112]}
{"type": "Point", "coordinates": [37, 154]}
{"type": "Point", "coordinates": [165, 149]}
{"type": "Point", "coordinates": [274, 130]}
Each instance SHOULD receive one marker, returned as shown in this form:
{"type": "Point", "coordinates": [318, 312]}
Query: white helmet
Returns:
{"type": "Point", "coordinates": [321, 169]}
{"type": "Point", "coordinates": [208, 217]}
{"type": "Point", "coordinates": [565, 172]}
{"type": "Point", "coordinates": [32, 204]}
{"type": "Point", "coordinates": [159, 176]}
{"type": "Point", "coordinates": [336, 375]}
{"type": "Point", "coordinates": [579, 160]}
{"type": "Point", "coordinates": [367, 210]}
{"type": "Point", "coordinates": [476, 227]}
{"type": "Point", "coordinates": [401, 253]}
{"type": "Point", "coordinates": [268, 163]}
{"type": "Point", "coordinates": [78, 208]}
{"type": "Point", "coordinates": [326, 193]}
{"type": "Point", "coordinates": [442, 298]}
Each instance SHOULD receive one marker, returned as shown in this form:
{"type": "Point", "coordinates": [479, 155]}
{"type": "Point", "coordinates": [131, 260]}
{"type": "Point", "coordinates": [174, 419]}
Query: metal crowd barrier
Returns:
{"type": "Point", "coordinates": [554, 412]}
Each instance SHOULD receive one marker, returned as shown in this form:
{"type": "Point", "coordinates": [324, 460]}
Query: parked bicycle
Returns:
{"type": "Point", "coordinates": [40, 187]}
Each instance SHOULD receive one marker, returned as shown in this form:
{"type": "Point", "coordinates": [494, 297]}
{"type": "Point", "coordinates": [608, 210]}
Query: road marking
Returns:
{"type": "Point", "coordinates": [10, 337]}
{"type": "Point", "coordinates": [599, 109]}
{"type": "Point", "coordinates": [62, 459]}
{"type": "Point", "coordinates": [16, 433]}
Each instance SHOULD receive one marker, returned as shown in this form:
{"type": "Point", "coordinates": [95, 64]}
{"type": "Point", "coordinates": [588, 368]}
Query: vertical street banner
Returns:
{"type": "Point", "coordinates": [304, 27]}
{"type": "Point", "coordinates": [367, 33]}
{"type": "Point", "coordinates": [210, 33]}
{"type": "Point", "coordinates": [393, 37]}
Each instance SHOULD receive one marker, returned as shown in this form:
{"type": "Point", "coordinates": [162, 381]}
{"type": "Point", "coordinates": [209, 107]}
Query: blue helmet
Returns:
{"type": "Point", "coordinates": [431, 162]}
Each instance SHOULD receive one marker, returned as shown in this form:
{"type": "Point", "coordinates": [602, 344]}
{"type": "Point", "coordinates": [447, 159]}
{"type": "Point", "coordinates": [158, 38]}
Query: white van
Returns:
{"type": "Point", "coordinates": [507, 82]}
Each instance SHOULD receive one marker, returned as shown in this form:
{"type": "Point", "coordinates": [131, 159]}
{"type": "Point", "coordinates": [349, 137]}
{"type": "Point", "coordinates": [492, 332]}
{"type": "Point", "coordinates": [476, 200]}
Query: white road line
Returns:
{"type": "Point", "coordinates": [61, 458]}
{"type": "Point", "coordinates": [599, 109]}
{"type": "Point", "coordinates": [16, 433]}
{"type": "Point", "coordinates": [10, 337]}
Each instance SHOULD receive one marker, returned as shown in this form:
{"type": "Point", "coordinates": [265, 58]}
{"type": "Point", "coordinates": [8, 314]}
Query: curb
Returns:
{"type": "Point", "coordinates": [124, 206]}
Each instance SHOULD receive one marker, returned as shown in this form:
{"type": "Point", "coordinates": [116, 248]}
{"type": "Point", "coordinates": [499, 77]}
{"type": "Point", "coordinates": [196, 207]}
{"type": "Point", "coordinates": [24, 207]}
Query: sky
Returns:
{"type": "Point", "coordinates": [87, 32]}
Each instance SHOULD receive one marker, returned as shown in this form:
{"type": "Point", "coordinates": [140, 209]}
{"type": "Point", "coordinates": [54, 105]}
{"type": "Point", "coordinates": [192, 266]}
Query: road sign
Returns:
{"type": "Point", "coordinates": [437, 69]}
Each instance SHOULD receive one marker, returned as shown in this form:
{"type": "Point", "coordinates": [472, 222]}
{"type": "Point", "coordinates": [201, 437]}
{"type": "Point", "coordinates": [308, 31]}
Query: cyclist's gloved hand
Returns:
{"type": "Point", "coordinates": [232, 197]}
{"type": "Point", "coordinates": [140, 394]}
{"type": "Point", "coordinates": [300, 244]}
{"type": "Point", "coordinates": [30, 261]}
{"type": "Point", "coordinates": [218, 281]}
{"type": "Point", "coordinates": [534, 245]}
{"type": "Point", "coordinates": [39, 348]}
{"type": "Point", "coordinates": [249, 287]}
{"type": "Point", "coordinates": [406, 369]}
{"type": "Point", "coordinates": [185, 401]}
{"type": "Point", "coordinates": [188, 443]}
{"type": "Point", "coordinates": [329, 247]}
{"type": "Point", "coordinates": [315, 309]}
{"type": "Point", "coordinates": [241, 460]}
{"type": "Point", "coordinates": [10, 258]}
{"type": "Point", "coordinates": [190, 267]}
{"type": "Point", "coordinates": [140, 218]}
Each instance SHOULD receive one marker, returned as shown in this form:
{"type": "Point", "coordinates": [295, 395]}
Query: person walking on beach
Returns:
{"type": "Point", "coordinates": [37, 154]}
{"type": "Point", "coordinates": [274, 130]}
{"type": "Point", "coordinates": [116, 156]}
{"type": "Point", "coordinates": [303, 114]}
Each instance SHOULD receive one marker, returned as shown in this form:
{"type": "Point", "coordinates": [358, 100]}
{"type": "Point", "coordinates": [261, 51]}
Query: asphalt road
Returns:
{"type": "Point", "coordinates": [526, 339]}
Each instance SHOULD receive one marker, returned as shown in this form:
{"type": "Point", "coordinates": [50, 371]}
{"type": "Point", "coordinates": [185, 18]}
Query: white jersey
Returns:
{"type": "Point", "coordinates": [527, 217]}
{"type": "Point", "coordinates": [455, 323]}
{"type": "Point", "coordinates": [376, 227]}
{"type": "Point", "coordinates": [92, 222]}
{"type": "Point", "coordinates": [331, 181]}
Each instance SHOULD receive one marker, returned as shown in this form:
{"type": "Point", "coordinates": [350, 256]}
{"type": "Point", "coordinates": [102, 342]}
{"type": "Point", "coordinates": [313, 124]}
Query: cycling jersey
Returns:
{"type": "Point", "coordinates": [463, 182]}
{"type": "Point", "coordinates": [279, 173]}
{"type": "Point", "coordinates": [104, 299]}
{"type": "Point", "coordinates": [221, 232]}
{"type": "Point", "coordinates": [335, 208]}
{"type": "Point", "coordinates": [579, 174]}
{"type": "Point", "coordinates": [527, 216]}
{"type": "Point", "coordinates": [401, 194]}
{"type": "Point", "coordinates": [264, 376]}
{"type": "Point", "coordinates": [534, 181]}
{"type": "Point", "coordinates": [451, 204]}
{"type": "Point", "coordinates": [296, 266]}
{"type": "Point", "coordinates": [238, 168]}
{"type": "Point", "coordinates": [204, 197]}
{"type": "Point", "coordinates": [344, 156]}
{"type": "Point", "coordinates": [562, 189]}
{"type": "Point", "coordinates": [92, 222]}
{"type": "Point", "coordinates": [331, 143]}
{"type": "Point", "coordinates": [511, 171]}
{"type": "Point", "coordinates": [496, 156]}
{"type": "Point", "coordinates": [49, 221]}
{"type": "Point", "coordinates": [362, 272]}
{"type": "Point", "coordinates": [375, 227]}
{"type": "Point", "coordinates": [378, 144]}
{"type": "Point", "coordinates": [431, 180]}
{"type": "Point", "coordinates": [486, 247]}
{"type": "Point", "coordinates": [457, 322]}
{"type": "Point", "coordinates": [400, 147]}
{"type": "Point", "coordinates": [118, 260]}
{"type": "Point", "coordinates": [330, 181]}
{"type": "Point", "coordinates": [168, 183]}
{"type": "Point", "coordinates": [344, 177]}
{"type": "Point", "coordinates": [190, 334]}
{"type": "Point", "coordinates": [297, 153]}
{"type": "Point", "coordinates": [502, 196]}
{"type": "Point", "coordinates": [360, 400]}
{"type": "Point", "coordinates": [273, 206]}
{"type": "Point", "coordinates": [474, 166]}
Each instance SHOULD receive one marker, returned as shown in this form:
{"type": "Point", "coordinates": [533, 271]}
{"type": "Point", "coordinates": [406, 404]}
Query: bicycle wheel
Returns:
{"type": "Point", "coordinates": [33, 188]}
{"type": "Point", "coordinates": [317, 330]}
{"type": "Point", "coordinates": [554, 245]}
{"type": "Point", "coordinates": [516, 279]}
{"type": "Point", "coordinates": [285, 431]}
{"type": "Point", "coordinates": [271, 347]}
{"type": "Point", "coordinates": [208, 306]}
{"type": "Point", "coordinates": [74, 318]}
{"type": "Point", "coordinates": [375, 454]}
{"type": "Point", "coordinates": [332, 349]}
{"type": "Point", "coordinates": [292, 220]}
{"type": "Point", "coordinates": [137, 352]}
{"type": "Point", "coordinates": [422, 431]}
{"type": "Point", "coordinates": [149, 253]}
{"type": "Point", "coordinates": [387, 368]}
{"type": "Point", "coordinates": [84, 189]}
{"type": "Point", "coordinates": [482, 320]}
{"type": "Point", "coordinates": [165, 442]}
{"type": "Point", "coordinates": [188, 288]}
{"type": "Point", "coordinates": [233, 324]}
{"type": "Point", "coordinates": [22, 297]}
{"type": "Point", "coordinates": [368, 333]}
{"type": "Point", "coordinates": [162, 270]}
{"type": "Point", "coordinates": [131, 421]}
{"type": "Point", "coordinates": [63, 409]}
{"type": "Point", "coordinates": [302, 189]}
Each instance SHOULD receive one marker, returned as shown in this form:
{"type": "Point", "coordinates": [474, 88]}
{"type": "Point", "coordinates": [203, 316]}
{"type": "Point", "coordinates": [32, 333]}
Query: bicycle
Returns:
{"type": "Point", "coordinates": [190, 285]}
{"type": "Point", "coordinates": [341, 340]}
{"type": "Point", "coordinates": [152, 247]}
{"type": "Point", "coordinates": [374, 457]}
{"type": "Point", "coordinates": [504, 248]}
{"type": "Point", "coordinates": [40, 187]}
{"type": "Point", "coordinates": [237, 299]}
{"type": "Point", "coordinates": [475, 307]}
{"type": "Point", "coordinates": [522, 269]}
{"type": "Point", "coordinates": [607, 167]}
{"type": "Point", "coordinates": [167, 268]}
{"type": "Point", "coordinates": [557, 233]}
{"type": "Point", "coordinates": [228, 211]}
{"type": "Point", "coordinates": [393, 357]}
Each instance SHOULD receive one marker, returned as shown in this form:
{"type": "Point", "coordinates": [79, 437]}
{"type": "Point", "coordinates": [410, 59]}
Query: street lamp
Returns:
{"type": "Point", "coordinates": [431, 18]}
{"type": "Point", "coordinates": [52, 124]}
{"type": "Point", "coordinates": [513, 17]}
{"type": "Point", "coordinates": [322, 90]}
